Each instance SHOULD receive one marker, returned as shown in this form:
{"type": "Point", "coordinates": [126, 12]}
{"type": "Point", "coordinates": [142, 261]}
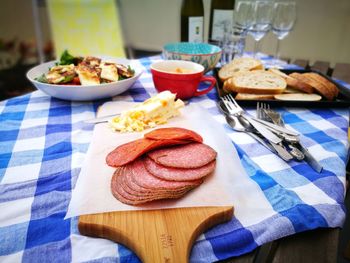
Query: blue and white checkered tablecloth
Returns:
{"type": "Point", "coordinates": [43, 142]}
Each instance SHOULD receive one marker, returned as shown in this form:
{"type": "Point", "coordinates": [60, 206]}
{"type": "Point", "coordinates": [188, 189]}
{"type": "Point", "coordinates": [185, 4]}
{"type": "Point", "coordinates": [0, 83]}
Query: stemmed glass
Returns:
{"type": "Point", "coordinates": [244, 15]}
{"type": "Point", "coordinates": [283, 21]}
{"type": "Point", "coordinates": [233, 40]}
{"type": "Point", "coordinates": [263, 15]}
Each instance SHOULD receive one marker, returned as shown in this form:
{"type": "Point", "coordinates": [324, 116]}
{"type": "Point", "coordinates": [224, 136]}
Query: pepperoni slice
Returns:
{"type": "Point", "coordinates": [120, 192]}
{"type": "Point", "coordinates": [174, 133]}
{"type": "Point", "coordinates": [178, 174]}
{"type": "Point", "coordinates": [192, 155]}
{"type": "Point", "coordinates": [143, 178]}
{"type": "Point", "coordinates": [128, 152]}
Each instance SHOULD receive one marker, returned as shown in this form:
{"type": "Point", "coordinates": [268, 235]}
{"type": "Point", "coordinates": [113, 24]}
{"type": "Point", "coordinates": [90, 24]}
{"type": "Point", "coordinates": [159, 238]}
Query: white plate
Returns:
{"type": "Point", "coordinates": [82, 93]}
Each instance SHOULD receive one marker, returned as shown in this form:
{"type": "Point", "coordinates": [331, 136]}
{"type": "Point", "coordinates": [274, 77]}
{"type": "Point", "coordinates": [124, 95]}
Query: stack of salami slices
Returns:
{"type": "Point", "coordinates": [165, 163]}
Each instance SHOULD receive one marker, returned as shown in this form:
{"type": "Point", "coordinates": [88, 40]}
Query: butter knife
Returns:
{"type": "Point", "coordinates": [231, 122]}
{"type": "Point", "coordinates": [276, 127]}
{"type": "Point", "coordinates": [309, 158]}
{"type": "Point", "coordinates": [270, 136]}
{"type": "Point", "coordinates": [101, 119]}
{"type": "Point", "coordinates": [281, 151]}
{"type": "Point", "coordinates": [274, 141]}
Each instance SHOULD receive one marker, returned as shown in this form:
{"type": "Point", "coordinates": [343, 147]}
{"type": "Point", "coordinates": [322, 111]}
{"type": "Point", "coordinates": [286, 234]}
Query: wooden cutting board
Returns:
{"type": "Point", "coordinates": [155, 235]}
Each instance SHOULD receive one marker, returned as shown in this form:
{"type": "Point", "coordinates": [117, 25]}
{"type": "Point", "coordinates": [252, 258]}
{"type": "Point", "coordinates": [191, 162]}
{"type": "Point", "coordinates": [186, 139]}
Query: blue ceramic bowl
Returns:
{"type": "Point", "coordinates": [202, 53]}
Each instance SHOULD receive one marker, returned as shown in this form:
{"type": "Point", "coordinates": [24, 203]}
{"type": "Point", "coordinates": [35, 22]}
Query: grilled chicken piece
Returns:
{"type": "Point", "coordinates": [109, 71]}
{"type": "Point", "coordinates": [88, 75]}
{"type": "Point", "coordinates": [61, 74]}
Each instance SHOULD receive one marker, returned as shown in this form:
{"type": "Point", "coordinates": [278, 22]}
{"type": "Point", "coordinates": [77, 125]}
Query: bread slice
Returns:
{"type": "Point", "coordinates": [318, 86]}
{"type": "Point", "coordinates": [247, 96]}
{"type": "Point", "coordinates": [255, 82]}
{"type": "Point", "coordinates": [238, 65]}
{"type": "Point", "coordinates": [290, 90]}
{"type": "Point", "coordinates": [298, 97]}
{"type": "Point", "coordinates": [293, 82]}
{"type": "Point", "coordinates": [325, 81]}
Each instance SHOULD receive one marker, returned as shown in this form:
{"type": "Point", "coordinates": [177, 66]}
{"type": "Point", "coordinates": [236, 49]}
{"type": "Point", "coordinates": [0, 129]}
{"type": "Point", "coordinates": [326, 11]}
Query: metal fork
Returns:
{"type": "Point", "coordinates": [275, 141]}
{"type": "Point", "coordinates": [264, 112]}
{"type": "Point", "coordinates": [274, 116]}
{"type": "Point", "coordinates": [261, 111]}
{"type": "Point", "coordinates": [235, 110]}
{"type": "Point", "coordinates": [307, 155]}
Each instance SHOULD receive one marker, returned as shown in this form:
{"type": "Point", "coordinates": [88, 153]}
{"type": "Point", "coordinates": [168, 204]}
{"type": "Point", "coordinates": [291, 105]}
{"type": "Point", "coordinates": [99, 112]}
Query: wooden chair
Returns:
{"type": "Point", "coordinates": [342, 71]}
{"type": "Point", "coordinates": [322, 66]}
{"type": "Point", "coordinates": [286, 59]}
{"type": "Point", "coordinates": [302, 63]}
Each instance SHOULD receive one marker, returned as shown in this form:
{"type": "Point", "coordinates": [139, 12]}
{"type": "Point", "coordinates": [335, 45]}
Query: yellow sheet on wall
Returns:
{"type": "Point", "coordinates": [86, 27]}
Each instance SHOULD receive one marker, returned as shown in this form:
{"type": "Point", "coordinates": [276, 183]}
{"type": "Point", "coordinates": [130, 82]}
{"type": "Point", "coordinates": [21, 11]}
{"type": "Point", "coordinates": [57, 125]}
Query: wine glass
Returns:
{"type": "Point", "coordinates": [283, 21]}
{"type": "Point", "coordinates": [233, 41]}
{"type": "Point", "coordinates": [243, 15]}
{"type": "Point", "coordinates": [263, 15]}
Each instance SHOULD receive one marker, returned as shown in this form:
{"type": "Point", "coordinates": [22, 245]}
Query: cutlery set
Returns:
{"type": "Point", "coordinates": [268, 129]}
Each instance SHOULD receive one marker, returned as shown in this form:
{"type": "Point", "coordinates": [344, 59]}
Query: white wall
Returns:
{"type": "Point", "coordinates": [16, 20]}
{"type": "Point", "coordinates": [322, 31]}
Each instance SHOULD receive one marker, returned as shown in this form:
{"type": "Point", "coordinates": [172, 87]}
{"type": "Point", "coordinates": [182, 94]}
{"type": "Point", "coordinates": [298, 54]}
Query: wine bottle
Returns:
{"type": "Point", "coordinates": [221, 15]}
{"type": "Point", "coordinates": [192, 21]}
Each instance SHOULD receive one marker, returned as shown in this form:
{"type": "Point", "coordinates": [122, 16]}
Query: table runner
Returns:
{"type": "Point", "coordinates": [43, 141]}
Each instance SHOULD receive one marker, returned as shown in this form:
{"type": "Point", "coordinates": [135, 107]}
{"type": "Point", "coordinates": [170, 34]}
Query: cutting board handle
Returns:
{"type": "Point", "coordinates": [155, 235]}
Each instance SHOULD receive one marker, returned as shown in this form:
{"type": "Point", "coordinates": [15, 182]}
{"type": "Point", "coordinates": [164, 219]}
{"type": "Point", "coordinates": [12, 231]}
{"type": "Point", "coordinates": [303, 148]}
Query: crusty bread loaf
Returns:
{"type": "Point", "coordinates": [318, 86]}
{"type": "Point", "coordinates": [255, 82]}
{"type": "Point", "coordinates": [247, 96]}
{"type": "Point", "coordinates": [325, 81]}
{"type": "Point", "coordinates": [298, 97]}
{"type": "Point", "coordinates": [293, 82]}
{"type": "Point", "coordinates": [238, 65]}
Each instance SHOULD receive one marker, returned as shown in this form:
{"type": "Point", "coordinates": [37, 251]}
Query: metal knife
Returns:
{"type": "Point", "coordinates": [276, 127]}
{"type": "Point", "coordinates": [281, 151]}
{"type": "Point", "coordinates": [270, 136]}
{"type": "Point", "coordinates": [274, 141]}
{"type": "Point", "coordinates": [231, 122]}
{"type": "Point", "coordinates": [101, 119]}
{"type": "Point", "coordinates": [310, 159]}
{"type": "Point", "coordinates": [108, 117]}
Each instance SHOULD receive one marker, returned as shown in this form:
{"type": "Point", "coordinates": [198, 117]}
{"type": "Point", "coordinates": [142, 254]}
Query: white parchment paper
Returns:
{"type": "Point", "coordinates": [92, 193]}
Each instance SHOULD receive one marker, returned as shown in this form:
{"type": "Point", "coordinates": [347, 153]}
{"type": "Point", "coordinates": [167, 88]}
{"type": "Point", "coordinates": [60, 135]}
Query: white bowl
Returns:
{"type": "Point", "coordinates": [83, 93]}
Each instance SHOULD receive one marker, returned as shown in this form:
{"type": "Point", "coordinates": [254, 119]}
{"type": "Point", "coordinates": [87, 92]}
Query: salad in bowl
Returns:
{"type": "Point", "coordinates": [84, 78]}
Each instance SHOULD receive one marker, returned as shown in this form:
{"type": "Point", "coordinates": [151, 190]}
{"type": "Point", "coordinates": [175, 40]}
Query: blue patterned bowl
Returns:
{"type": "Point", "coordinates": [201, 53]}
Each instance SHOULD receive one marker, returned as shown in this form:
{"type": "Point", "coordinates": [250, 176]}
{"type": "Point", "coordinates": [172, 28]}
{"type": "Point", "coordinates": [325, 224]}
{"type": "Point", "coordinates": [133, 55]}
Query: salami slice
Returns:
{"type": "Point", "coordinates": [192, 155]}
{"type": "Point", "coordinates": [128, 152]}
{"type": "Point", "coordinates": [123, 196]}
{"type": "Point", "coordinates": [131, 187]}
{"type": "Point", "coordinates": [178, 174]}
{"type": "Point", "coordinates": [177, 162]}
{"type": "Point", "coordinates": [174, 133]}
{"type": "Point", "coordinates": [143, 178]}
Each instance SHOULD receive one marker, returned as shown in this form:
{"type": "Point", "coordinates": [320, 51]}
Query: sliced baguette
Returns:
{"type": "Point", "coordinates": [290, 90]}
{"type": "Point", "coordinates": [298, 97]}
{"type": "Point", "coordinates": [293, 82]}
{"type": "Point", "coordinates": [238, 65]}
{"type": "Point", "coordinates": [318, 86]}
{"type": "Point", "coordinates": [255, 82]}
{"type": "Point", "coordinates": [325, 81]}
{"type": "Point", "coordinates": [247, 96]}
